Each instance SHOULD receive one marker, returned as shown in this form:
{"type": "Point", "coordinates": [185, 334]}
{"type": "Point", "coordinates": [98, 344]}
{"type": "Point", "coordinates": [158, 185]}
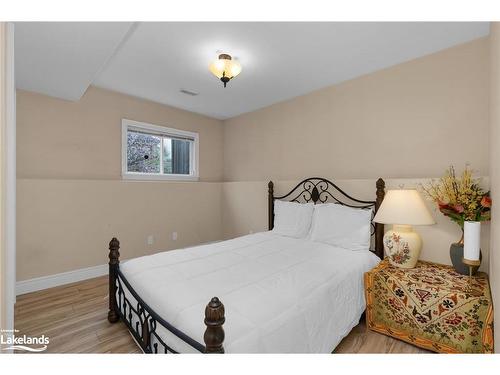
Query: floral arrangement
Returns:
{"type": "Point", "coordinates": [460, 198]}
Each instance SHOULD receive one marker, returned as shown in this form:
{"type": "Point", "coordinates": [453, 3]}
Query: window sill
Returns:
{"type": "Point", "coordinates": [151, 177]}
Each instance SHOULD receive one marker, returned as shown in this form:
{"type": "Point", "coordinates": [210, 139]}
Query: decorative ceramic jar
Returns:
{"type": "Point", "coordinates": [402, 246]}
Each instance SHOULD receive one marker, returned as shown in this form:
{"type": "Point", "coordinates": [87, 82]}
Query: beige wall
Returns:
{"type": "Point", "coordinates": [410, 120]}
{"type": "Point", "coordinates": [71, 199]}
{"type": "Point", "coordinates": [495, 171]}
{"type": "Point", "coordinates": [406, 124]}
{"type": "Point", "coordinates": [75, 140]}
{"type": "Point", "coordinates": [244, 210]}
{"type": "Point", "coordinates": [65, 225]}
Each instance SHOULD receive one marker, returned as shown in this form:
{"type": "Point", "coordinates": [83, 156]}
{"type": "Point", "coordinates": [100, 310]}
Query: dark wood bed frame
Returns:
{"type": "Point", "coordinates": [313, 189]}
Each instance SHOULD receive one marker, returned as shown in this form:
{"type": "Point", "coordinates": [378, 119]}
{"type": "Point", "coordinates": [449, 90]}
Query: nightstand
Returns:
{"type": "Point", "coordinates": [428, 306]}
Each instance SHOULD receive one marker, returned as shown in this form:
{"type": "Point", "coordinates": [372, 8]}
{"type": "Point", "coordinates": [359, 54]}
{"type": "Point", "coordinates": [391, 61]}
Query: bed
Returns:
{"type": "Point", "coordinates": [281, 294]}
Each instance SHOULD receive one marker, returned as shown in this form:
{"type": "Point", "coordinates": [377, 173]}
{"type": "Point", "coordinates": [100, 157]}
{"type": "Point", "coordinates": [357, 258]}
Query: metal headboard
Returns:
{"type": "Point", "coordinates": [322, 190]}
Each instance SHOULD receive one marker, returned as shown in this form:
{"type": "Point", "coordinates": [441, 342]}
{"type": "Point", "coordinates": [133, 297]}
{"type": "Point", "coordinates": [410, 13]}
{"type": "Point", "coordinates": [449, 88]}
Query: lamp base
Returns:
{"type": "Point", "coordinates": [402, 246]}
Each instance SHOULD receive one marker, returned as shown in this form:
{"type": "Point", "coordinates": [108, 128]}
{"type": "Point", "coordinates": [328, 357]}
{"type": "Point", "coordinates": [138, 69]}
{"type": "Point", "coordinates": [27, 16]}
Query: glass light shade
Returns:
{"type": "Point", "coordinates": [405, 207]}
{"type": "Point", "coordinates": [231, 68]}
{"type": "Point", "coordinates": [235, 68]}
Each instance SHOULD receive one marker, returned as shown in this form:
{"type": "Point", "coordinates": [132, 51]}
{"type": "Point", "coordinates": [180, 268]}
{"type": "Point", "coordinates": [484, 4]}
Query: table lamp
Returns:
{"type": "Point", "coordinates": [403, 208]}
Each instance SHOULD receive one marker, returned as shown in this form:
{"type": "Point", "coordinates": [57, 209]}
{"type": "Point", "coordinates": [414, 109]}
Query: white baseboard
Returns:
{"type": "Point", "coordinates": [45, 282]}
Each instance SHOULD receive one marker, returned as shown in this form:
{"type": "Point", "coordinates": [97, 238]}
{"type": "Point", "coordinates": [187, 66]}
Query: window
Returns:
{"type": "Point", "coordinates": [151, 152]}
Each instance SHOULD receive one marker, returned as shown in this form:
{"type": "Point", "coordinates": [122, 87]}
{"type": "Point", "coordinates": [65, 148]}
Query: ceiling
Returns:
{"type": "Point", "coordinates": [280, 60]}
{"type": "Point", "coordinates": [63, 59]}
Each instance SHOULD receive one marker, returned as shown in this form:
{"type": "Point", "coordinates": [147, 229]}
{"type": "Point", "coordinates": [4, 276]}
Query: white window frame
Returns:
{"type": "Point", "coordinates": [168, 132]}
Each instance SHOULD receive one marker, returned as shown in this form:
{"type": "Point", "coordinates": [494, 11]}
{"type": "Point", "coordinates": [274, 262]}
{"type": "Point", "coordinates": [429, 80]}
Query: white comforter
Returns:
{"type": "Point", "coordinates": [281, 295]}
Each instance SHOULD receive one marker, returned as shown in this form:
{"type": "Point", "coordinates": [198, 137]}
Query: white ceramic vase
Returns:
{"type": "Point", "coordinates": [472, 240]}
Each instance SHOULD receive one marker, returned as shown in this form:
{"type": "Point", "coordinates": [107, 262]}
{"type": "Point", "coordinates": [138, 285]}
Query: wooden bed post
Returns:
{"type": "Point", "coordinates": [270, 202]}
{"type": "Point", "coordinates": [214, 319]}
{"type": "Point", "coordinates": [114, 263]}
{"type": "Point", "coordinates": [379, 228]}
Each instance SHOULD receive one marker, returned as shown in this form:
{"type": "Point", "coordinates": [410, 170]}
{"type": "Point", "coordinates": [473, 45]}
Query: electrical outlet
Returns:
{"type": "Point", "coordinates": [174, 236]}
{"type": "Point", "coordinates": [151, 240]}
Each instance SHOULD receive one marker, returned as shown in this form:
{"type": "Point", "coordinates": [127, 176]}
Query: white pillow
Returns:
{"type": "Point", "coordinates": [292, 219]}
{"type": "Point", "coordinates": [342, 226]}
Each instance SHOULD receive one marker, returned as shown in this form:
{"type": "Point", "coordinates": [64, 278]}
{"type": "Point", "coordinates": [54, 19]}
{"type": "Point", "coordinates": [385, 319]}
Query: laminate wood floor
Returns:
{"type": "Point", "coordinates": [74, 317]}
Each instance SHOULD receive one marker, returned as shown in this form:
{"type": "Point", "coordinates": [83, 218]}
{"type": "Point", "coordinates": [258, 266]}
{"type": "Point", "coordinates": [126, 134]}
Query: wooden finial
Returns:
{"type": "Point", "coordinates": [270, 205]}
{"type": "Point", "coordinates": [114, 263]}
{"type": "Point", "coordinates": [214, 319]}
{"type": "Point", "coordinates": [114, 251]}
{"type": "Point", "coordinates": [380, 193]}
{"type": "Point", "coordinates": [379, 228]}
{"type": "Point", "coordinates": [380, 189]}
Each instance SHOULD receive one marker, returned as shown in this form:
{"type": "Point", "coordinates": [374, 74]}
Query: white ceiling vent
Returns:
{"type": "Point", "coordinates": [189, 92]}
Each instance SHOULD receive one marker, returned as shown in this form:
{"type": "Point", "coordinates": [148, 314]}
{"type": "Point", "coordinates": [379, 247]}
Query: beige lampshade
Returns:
{"type": "Point", "coordinates": [404, 206]}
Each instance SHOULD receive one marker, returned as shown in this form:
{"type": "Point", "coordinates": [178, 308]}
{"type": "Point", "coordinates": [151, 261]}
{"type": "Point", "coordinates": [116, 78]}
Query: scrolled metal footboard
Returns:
{"type": "Point", "coordinates": [143, 322]}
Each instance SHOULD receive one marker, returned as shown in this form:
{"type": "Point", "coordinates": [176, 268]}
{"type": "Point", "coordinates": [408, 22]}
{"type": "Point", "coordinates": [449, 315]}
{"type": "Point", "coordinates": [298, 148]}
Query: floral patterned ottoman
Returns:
{"type": "Point", "coordinates": [427, 306]}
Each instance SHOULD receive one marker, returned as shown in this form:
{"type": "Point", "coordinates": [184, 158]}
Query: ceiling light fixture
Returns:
{"type": "Point", "coordinates": [225, 68]}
